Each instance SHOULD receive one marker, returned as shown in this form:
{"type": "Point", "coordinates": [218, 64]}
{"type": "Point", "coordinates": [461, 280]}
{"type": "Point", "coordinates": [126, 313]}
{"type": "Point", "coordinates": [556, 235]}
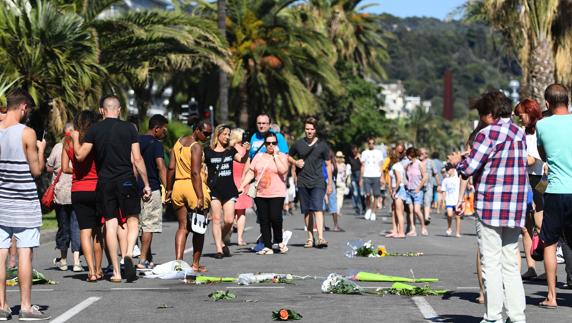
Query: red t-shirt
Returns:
{"type": "Point", "coordinates": [84, 173]}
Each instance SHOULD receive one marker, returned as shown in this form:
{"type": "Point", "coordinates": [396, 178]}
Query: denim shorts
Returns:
{"type": "Point", "coordinates": [332, 206]}
{"type": "Point", "coordinates": [414, 198]}
{"type": "Point", "coordinates": [311, 199]}
{"type": "Point", "coordinates": [371, 186]}
{"type": "Point", "coordinates": [25, 237]}
{"type": "Point", "coordinates": [401, 194]}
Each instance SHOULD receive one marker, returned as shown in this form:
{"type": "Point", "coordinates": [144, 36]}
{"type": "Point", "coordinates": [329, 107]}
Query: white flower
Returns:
{"type": "Point", "coordinates": [330, 282]}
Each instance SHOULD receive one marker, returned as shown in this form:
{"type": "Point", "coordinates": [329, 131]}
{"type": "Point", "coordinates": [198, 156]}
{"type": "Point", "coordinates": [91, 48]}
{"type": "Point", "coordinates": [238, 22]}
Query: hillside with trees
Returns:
{"type": "Point", "coordinates": [422, 49]}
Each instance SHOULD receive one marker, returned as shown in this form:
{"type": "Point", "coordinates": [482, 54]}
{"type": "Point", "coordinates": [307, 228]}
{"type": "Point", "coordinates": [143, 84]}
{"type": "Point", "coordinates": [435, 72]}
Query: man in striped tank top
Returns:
{"type": "Point", "coordinates": [21, 159]}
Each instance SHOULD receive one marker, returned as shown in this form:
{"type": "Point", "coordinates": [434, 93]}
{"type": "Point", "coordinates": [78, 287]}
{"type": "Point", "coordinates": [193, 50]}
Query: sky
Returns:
{"type": "Point", "coordinates": [407, 8]}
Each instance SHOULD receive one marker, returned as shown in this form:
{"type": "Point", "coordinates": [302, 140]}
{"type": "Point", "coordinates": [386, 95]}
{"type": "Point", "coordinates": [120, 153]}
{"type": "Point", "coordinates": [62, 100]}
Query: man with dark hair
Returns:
{"type": "Point", "coordinates": [370, 177]}
{"type": "Point", "coordinates": [151, 215]}
{"type": "Point", "coordinates": [553, 135]}
{"type": "Point", "coordinates": [354, 159]}
{"type": "Point", "coordinates": [257, 140]}
{"type": "Point", "coordinates": [312, 188]}
{"type": "Point", "coordinates": [118, 197]}
{"type": "Point", "coordinates": [497, 162]}
{"type": "Point", "coordinates": [21, 159]}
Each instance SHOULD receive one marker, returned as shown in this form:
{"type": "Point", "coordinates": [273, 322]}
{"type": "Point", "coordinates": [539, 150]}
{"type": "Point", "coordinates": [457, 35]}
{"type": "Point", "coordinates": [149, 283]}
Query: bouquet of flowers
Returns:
{"type": "Point", "coordinates": [374, 277]}
{"type": "Point", "coordinates": [286, 315]}
{"type": "Point", "coordinates": [410, 290]}
{"type": "Point", "coordinates": [337, 284]}
{"type": "Point", "coordinates": [250, 278]}
{"type": "Point", "coordinates": [361, 248]}
{"type": "Point", "coordinates": [221, 295]}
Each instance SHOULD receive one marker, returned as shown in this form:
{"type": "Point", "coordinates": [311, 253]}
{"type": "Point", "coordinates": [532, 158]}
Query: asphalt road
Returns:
{"type": "Point", "coordinates": [450, 259]}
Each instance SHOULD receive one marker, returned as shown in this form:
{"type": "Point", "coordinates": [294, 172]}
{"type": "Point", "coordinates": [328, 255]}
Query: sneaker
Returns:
{"type": "Point", "coordinates": [372, 216]}
{"type": "Point", "coordinates": [449, 232]}
{"type": "Point", "coordinates": [34, 314]}
{"type": "Point", "coordinates": [5, 313]}
{"type": "Point", "coordinates": [77, 268]}
{"type": "Point", "coordinates": [559, 255]}
{"type": "Point", "coordinates": [367, 215]}
{"type": "Point", "coordinates": [62, 264]}
{"type": "Point", "coordinates": [136, 251]}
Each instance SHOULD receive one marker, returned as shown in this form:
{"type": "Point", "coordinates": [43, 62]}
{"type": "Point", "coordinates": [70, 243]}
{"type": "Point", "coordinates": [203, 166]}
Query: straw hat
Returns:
{"type": "Point", "coordinates": [340, 154]}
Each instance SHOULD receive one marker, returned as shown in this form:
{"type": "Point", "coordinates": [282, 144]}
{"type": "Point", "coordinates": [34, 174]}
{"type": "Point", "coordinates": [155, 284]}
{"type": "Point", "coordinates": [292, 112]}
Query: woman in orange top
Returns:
{"type": "Point", "coordinates": [187, 188]}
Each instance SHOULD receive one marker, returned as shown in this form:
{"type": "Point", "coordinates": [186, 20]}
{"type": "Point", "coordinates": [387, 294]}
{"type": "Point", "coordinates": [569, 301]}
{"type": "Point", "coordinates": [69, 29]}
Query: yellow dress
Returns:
{"type": "Point", "coordinates": [183, 191]}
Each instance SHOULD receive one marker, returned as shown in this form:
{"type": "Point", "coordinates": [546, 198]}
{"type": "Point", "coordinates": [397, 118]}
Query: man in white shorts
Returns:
{"type": "Point", "coordinates": [370, 177]}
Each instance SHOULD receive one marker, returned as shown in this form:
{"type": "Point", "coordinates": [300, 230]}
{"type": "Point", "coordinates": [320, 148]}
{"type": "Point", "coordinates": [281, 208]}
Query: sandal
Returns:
{"type": "Point", "coordinates": [309, 243]}
{"type": "Point", "coordinates": [115, 279]}
{"type": "Point", "coordinates": [265, 251]}
{"type": "Point", "coordinates": [283, 248]}
{"type": "Point", "coordinates": [242, 243]}
{"type": "Point", "coordinates": [322, 243]}
{"type": "Point", "coordinates": [91, 278]}
{"type": "Point", "coordinates": [199, 268]}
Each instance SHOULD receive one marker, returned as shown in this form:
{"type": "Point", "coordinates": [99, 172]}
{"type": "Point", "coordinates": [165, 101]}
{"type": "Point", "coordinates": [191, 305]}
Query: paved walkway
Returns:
{"type": "Point", "coordinates": [450, 259]}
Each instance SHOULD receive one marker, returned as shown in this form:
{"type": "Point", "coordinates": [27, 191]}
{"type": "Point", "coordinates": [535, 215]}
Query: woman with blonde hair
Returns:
{"type": "Point", "coordinates": [219, 157]}
{"type": "Point", "coordinates": [239, 141]}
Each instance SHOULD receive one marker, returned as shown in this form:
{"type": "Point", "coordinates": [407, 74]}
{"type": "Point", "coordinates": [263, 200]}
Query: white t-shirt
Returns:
{"type": "Point", "coordinates": [372, 161]}
{"type": "Point", "coordinates": [532, 150]}
{"type": "Point", "coordinates": [451, 186]}
{"type": "Point", "coordinates": [397, 168]}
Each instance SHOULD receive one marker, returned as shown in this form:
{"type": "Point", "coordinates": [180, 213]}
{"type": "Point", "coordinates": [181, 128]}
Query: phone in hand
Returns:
{"type": "Point", "coordinates": [244, 137]}
{"type": "Point", "coordinates": [40, 134]}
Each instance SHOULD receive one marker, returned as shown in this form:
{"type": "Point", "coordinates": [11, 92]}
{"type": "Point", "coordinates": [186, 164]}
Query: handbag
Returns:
{"type": "Point", "coordinates": [252, 189]}
{"type": "Point", "coordinates": [537, 248]}
{"type": "Point", "coordinates": [542, 185]}
{"type": "Point", "coordinates": [197, 222]}
{"type": "Point", "coordinates": [49, 194]}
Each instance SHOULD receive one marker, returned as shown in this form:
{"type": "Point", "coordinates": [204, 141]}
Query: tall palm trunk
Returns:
{"type": "Point", "coordinates": [223, 78]}
{"type": "Point", "coordinates": [541, 69]}
{"type": "Point", "coordinates": [243, 113]}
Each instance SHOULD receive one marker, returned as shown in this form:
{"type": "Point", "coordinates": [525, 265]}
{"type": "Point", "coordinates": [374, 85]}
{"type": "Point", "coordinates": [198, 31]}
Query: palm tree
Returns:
{"type": "Point", "coordinates": [357, 36]}
{"type": "Point", "coordinates": [278, 65]}
{"type": "Point", "coordinates": [52, 54]}
{"type": "Point", "coordinates": [223, 78]}
{"type": "Point", "coordinates": [528, 26]}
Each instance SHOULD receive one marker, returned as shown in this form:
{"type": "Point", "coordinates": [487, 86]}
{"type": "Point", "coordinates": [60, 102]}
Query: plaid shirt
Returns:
{"type": "Point", "coordinates": [497, 162]}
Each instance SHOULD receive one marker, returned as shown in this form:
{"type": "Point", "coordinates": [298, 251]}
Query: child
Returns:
{"type": "Point", "coordinates": [450, 188]}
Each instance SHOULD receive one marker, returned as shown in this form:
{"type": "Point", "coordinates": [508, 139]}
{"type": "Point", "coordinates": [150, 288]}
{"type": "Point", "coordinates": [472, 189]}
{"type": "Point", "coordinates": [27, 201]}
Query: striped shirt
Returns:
{"type": "Point", "coordinates": [497, 162]}
{"type": "Point", "coordinates": [19, 203]}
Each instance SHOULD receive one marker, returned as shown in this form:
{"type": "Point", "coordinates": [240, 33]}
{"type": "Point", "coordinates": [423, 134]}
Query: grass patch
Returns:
{"type": "Point", "coordinates": [49, 221]}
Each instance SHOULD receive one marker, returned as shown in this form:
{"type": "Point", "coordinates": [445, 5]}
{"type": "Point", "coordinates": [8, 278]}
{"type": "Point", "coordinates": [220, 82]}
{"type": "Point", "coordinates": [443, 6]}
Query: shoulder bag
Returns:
{"type": "Point", "coordinates": [49, 194]}
{"type": "Point", "coordinates": [254, 187]}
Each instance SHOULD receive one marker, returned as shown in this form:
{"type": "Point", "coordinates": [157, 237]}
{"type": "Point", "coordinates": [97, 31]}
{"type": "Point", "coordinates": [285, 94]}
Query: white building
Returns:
{"type": "Point", "coordinates": [397, 104]}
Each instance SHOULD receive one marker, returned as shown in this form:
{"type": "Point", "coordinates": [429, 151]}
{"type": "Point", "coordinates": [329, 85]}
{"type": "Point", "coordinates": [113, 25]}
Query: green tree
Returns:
{"type": "Point", "coordinates": [52, 54]}
{"type": "Point", "coordinates": [358, 36]}
{"type": "Point", "coordinates": [278, 65]}
{"type": "Point", "coordinates": [532, 29]}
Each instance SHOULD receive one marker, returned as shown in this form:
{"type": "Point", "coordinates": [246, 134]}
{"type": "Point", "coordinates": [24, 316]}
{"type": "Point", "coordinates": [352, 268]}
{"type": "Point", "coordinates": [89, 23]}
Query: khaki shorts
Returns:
{"type": "Point", "coordinates": [151, 217]}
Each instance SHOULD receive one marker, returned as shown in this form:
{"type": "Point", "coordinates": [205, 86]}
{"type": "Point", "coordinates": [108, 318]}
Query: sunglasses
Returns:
{"type": "Point", "coordinates": [270, 143]}
{"type": "Point", "coordinates": [206, 133]}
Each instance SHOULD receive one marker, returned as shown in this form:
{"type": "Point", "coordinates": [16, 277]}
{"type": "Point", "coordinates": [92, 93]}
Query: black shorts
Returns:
{"type": "Point", "coordinates": [118, 199]}
{"type": "Point", "coordinates": [536, 195]}
{"type": "Point", "coordinates": [85, 209]}
{"type": "Point", "coordinates": [557, 219]}
{"type": "Point", "coordinates": [311, 199]}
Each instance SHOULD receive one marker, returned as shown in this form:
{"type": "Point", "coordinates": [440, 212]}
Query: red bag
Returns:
{"type": "Point", "coordinates": [537, 248]}
{"type": "Point", "coordinates": [49, 194]}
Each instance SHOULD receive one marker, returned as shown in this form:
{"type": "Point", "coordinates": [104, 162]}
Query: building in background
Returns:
{"type": "Point", "coordinates": [397, 104]}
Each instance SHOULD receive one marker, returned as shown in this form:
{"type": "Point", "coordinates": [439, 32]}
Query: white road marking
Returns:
{"type": "Point", "coordinates": [256, 287]}
{"type": "Point", "coordinates": [75, 310]}
{"type": "Point", "coordinates": [468, 287]}
{"type": "Point", "coordinates": [33, 290]}
{"type": "Point", "coordinates": [188, 250]}
{"type": "Point", "coordinates": [140, 288]}
{"type": "Point", "coordinates": [425, 308]}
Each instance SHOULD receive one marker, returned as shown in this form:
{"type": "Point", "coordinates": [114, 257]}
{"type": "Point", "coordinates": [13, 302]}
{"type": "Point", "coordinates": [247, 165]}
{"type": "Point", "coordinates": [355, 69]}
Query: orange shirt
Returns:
{"type": "Point", "coordinates": [270, 182]}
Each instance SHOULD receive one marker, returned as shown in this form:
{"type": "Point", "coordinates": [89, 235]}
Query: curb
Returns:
{"type": "Point", "coordinates": [47, 236]}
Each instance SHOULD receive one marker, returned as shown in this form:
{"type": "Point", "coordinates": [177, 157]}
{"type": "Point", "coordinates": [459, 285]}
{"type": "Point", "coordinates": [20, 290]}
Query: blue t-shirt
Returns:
{"type": "Point", "coordinates": [553, 135]}
{"type": "Point", "coordinates": [151, 149]}
{"type": "Point", "coordinates": [257, 140]}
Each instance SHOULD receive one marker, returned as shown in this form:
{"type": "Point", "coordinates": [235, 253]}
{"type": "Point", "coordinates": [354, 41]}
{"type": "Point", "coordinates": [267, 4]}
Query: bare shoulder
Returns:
{"type": "Point", "coordinates": [29, 135]}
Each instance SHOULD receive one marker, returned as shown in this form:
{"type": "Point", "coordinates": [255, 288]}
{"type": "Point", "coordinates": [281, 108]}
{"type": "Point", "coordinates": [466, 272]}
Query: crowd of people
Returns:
{"type": "Point", "coordinates": [111, 186]}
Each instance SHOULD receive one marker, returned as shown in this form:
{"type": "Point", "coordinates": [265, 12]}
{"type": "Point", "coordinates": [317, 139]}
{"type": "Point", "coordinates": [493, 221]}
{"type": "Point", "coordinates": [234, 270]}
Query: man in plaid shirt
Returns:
{"type": "Point", "coordinates": [497, 162]}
